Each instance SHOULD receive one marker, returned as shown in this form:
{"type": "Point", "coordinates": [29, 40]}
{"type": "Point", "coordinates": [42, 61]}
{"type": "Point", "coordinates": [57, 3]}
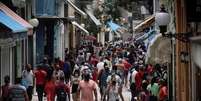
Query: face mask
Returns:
{"type": "Point", "coordinates": [113, 82]}
{"type": "Point", "coordinates": [76, 75]}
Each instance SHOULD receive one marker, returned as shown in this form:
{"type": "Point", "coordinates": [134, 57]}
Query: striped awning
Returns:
{"type": "Point", "coordinates": [11, 24]}
{"type": "Point", "coordinates": [17, 18]}
{"type": "Point", "coordinates": [146, 23]}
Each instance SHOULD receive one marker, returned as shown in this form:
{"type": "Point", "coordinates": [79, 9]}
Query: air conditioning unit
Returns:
{"type": "Point", "coordinates": [19, 3]}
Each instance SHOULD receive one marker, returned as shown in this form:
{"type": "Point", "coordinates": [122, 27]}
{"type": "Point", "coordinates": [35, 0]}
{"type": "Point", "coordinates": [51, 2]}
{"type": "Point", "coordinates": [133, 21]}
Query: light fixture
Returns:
{"type": "Point", "coordinates": [162, 19]}
{"type": "Point", "coordinates": [83, 25]}
{"type": "Point", "coordinates": [34, 22]}
{"type": "Point", "coordinates": [184, 57]}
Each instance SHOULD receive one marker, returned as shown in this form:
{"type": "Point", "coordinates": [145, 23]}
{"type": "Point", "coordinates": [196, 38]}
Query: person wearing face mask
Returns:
{"type": "Point", "coordinates": [87, 88]}
{"type": "Point", "coordinates": [75, 82]}
{"type": "Point", "coordinates": [28, 77]}
{"type": "Point", "coordinates": [104, 73]}
{"type": "Point", "coordinates": [57, 73]}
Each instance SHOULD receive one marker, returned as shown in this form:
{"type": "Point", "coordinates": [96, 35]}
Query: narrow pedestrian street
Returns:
{"type": "Point", "coordinates": [126, 94]}
{"type": "Point", "coordinates": [100, 50]}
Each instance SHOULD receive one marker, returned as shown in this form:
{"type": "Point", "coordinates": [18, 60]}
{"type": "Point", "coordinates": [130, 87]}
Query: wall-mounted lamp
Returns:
{"type": "Point", "coordinates": [162, 19]}
{"type": "Point", "coordinates": [184, 57]}
{"type": "Point", "coordinates": [34, 22]}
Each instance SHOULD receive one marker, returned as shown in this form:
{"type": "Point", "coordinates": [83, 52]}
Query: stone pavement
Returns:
{"type": "Point", "coordinates": [126, 94]}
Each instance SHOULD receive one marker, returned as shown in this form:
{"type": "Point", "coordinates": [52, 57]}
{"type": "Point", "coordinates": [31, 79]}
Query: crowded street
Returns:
{"type": "Point", "coordinates": [100, 50]}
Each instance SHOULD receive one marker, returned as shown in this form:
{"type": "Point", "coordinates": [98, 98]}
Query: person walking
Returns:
{"type": "Point", "coordinates": [57, 73]}
{"type": "Point", "coordinates": [75, 82]}
{"type": "Point", "coordinates": [17, 92]}
{"type": "Point", "coordinates": [4, 89]}
{"type": "Point", "coordinates": [28, 76]}
{"type": "Point", "coordinates": [104, 73]}
{"type": "Point", "coordinates": [153, 88]}
{"type": "Point", "coordinates": [40, 75]}
{"type": "Point", "coordinates": [87, 87]}
{"type": "Point", "coordinates": [163, 92]}
{"type": "Point", "coordinates": [50, 88]}
{"type": "Point", "coordinates": [63, 91]}
{"type": "Point", "coordinates": [114, 89]}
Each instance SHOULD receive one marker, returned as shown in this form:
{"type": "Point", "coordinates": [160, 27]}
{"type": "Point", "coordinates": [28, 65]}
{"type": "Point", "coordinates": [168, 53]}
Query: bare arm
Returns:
{"type": "Point", "coordinates": [78, 93]}
{"type": "Point", "coordinates": [26, 96]}
{"type": "Point", "coordinates": [120, 93]}
{"type": "Point", "coordinates": [95, 94]}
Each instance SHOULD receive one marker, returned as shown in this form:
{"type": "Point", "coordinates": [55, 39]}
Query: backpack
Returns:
{"type": "Point", "coordinates": [61, 94]}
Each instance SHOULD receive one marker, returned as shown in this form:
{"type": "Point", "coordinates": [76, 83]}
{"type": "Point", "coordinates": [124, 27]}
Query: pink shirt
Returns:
{"type": "Point", "coordinates": [87, 89]}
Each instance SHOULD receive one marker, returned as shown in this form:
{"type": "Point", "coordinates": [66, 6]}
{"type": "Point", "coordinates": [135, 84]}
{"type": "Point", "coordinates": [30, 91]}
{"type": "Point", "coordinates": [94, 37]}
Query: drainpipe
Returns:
{"type": "Point", "coordinates": [173, 68]}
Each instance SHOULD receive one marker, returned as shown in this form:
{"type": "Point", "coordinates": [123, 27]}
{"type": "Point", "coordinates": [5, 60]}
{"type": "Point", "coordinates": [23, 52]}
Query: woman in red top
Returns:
{"type": "Point", "coordinates": [50, 89]}
{"type": "Point", "coordinates": [163, 92]}
{"type": "Point", "coordinates": [40, 75]}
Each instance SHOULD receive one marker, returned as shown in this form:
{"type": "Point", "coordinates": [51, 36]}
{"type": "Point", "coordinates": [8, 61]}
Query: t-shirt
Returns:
{"type": "Point", "coordinates": [87, 89]}
{"type": "Point", "coordinates": [163, 93]}
{"type": "Point", "coordinates": [29, 77]}
{"type": "Point", "coordinates": [100, 66]}
{"type": "Point", "coordinates": [40, 77]}
{"type": "Point", "coordinates": [154, 89]}
{"type": "Point", "coordinates": [58, 74]}
{"type": "Point", "coordinates": [17, 93]}
{"type": "Point", "coordinates": [133, 76]}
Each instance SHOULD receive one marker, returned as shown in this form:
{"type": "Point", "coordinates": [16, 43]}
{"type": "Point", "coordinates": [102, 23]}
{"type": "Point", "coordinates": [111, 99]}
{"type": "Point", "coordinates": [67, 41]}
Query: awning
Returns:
{"type": "Point", "coordinates": [13, 25]}
{"type": "Point", "coordinates": [93, 18]}
{"type": "Point", "coordinates": [159, 50]}
{"type": "Point", "coordinates": [113, 26]}
{"type": "Point", "coordinates": [75, 7]}
{"type": "Point", "coordinates": [16, 17]}
{"type": "Point", "coordinates": [146, 23]}
{"type": "Point", "coordinates": [80, 27]}
{"type": "Point", "coordinates": [195, 50]}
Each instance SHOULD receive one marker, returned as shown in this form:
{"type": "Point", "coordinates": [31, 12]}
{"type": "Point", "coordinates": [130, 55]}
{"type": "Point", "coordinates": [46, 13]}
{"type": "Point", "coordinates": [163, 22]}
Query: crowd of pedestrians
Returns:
{"type": "Point", "coordinates": [109, 69]}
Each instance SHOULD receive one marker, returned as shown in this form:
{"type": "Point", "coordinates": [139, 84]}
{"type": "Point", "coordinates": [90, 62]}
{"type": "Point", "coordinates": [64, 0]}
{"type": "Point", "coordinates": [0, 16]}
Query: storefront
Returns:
{"type": "Point", "coordinates": [13, 43]}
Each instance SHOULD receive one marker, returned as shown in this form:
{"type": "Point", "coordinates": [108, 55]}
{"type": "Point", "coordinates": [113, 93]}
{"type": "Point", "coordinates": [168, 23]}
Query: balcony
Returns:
{"type": "Point", "coordinates": [45, 8]}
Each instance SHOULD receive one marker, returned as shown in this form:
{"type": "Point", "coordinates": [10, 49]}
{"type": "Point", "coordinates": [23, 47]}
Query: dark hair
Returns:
{"type": "Point", "coordinates": [18, 80]}
{"type": "Point", "coordinates": [7, 79]}
{"type": "Point", "coordinates": [153, 80]}
{"type": "Point", "coordinates": [76, 71]}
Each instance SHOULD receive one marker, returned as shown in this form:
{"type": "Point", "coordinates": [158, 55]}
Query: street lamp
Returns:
{"type": "Point", "coordinates": [162, 19]}
{"type": "Point", "coordinates": [34, 22]}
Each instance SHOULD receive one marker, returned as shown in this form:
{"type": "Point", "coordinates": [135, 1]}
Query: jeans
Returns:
{"type": "Point", "coordinates": [40, 90]}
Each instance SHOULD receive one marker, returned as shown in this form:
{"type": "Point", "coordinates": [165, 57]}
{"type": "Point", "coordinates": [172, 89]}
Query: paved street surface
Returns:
{"type": "Point", "coordinates": [126, 94]}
